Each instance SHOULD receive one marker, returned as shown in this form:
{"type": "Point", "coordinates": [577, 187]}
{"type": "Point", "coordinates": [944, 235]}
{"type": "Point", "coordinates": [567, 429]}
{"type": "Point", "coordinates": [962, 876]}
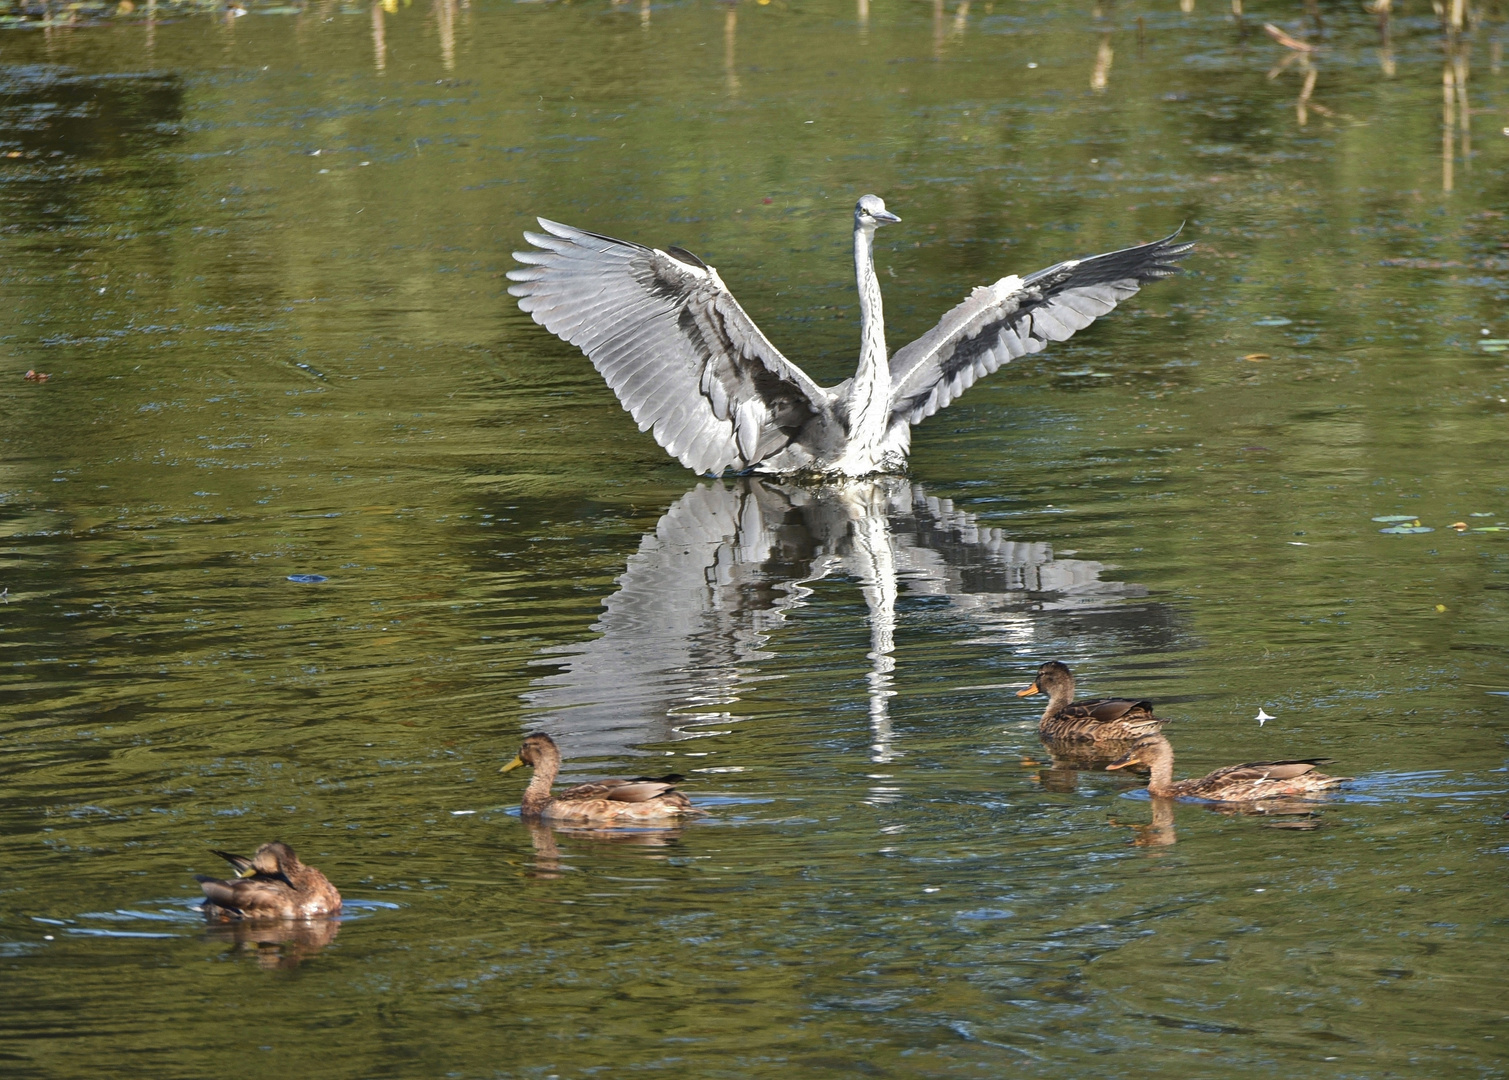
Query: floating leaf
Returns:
{"type": "Point", "coordinates": [1495, 348]}
{"type": "Point", "coordinates": [1440, 607]}
{"type": "Point", "coordinates": [1397, 517]}
{"type": "Point", "coordinates": [1256, 356]}
{"type": "Point", "coordinates": [1490, 528]}
{"type": "Point", "coordinates": [1400, 529]}
{"type": "Point", "coordinates": [1494, 341]}
{"type": "Point", "coordinates": [1273, 320]}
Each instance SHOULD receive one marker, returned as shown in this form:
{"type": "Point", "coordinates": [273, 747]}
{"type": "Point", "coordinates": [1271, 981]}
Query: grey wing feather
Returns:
{"type": "Point", "coordinates": [1270, 770]}
{"type": "Point", "coordinates": [219, 892]}
{"type": "Point", "coordinates": [633, 791]}
{"type": "Point", "coordinates": [1014, 317]}
{"type": "Point", "coordinates": [240, 862]}
{"type": "Point", "coordinates": [640, 792]}
{"type": "Point", "coordinates": [672, 342]}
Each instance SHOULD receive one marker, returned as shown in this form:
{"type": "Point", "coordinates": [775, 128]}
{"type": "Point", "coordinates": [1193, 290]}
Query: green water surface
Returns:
{"type": "Point", "coordinates": [260, 259]}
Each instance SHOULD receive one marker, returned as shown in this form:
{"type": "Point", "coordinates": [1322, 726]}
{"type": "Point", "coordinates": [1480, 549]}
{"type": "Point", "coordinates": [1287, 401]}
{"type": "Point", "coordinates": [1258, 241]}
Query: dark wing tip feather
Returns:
{"type": "Point", "coordinates": [685, 256]}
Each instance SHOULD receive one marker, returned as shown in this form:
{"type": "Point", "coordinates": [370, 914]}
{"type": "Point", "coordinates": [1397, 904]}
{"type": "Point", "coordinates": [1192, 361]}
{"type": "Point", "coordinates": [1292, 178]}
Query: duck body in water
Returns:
{"type": "Point", "coordinates": [272, 884]}
{"type": "Point", "coordinates": [1105, 720]}
{"type": "Point", "coordinates": [1249, 782]}
{"type": "Point", "coordinates": [640, 801]}
{"type": "Point", "coordinates": [690, 365]}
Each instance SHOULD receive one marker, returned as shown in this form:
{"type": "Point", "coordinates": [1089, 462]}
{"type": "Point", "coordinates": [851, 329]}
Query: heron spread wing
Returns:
{"type": "Point", "coordinates": [1016, 316]}
{"type": "Point", "coordinates": [672, 342]}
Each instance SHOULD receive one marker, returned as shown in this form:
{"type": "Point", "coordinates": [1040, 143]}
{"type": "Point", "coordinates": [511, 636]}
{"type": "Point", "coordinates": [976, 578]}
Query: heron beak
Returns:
{"type": "Point", "coordinates": [514, 764]}
{"type": "Point", "coordinates": [885, 217]}
{"type": "Point", "coordinates": [1029, 691]}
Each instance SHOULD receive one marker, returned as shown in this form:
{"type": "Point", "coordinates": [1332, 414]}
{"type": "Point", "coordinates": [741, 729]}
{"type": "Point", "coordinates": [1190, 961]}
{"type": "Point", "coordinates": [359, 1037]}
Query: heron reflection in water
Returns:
{"type": "Point", "coordinates": [695, 608]}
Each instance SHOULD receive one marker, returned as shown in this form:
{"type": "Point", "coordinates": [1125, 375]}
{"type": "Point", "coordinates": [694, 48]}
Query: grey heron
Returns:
{"type": "Point", "coordinates": [689, 364]}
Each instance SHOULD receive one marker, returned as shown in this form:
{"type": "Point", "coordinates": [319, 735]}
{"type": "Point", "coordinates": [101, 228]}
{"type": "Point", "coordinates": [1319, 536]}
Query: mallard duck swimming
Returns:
{"type": "Point", "coordinates": [272, 884]}
{"type": "Point", "coordinates": [640, 800]}
{"type": "Point", "coordinates": [1102, 720]}
{"type": "Point", "coordinates": [1247, 782]}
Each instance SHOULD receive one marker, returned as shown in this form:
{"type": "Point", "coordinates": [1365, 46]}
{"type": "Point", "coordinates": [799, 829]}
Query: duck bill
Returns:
{"type": "Point", "coordinates": [1029, 691]}
{"type": "Point", "coordinates": [514, 764]}
{"type": "Point", "coordinates": [1124, 763]}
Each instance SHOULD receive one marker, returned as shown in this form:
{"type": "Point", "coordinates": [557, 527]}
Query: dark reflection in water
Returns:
{"type": "Point", "coordinates": [56, 125]}
{"type": "Point", "coordinates": [281, 944]}
{"type": "Point", "coordinates": [1290, 815]}
{"type": "Point", "coordinates": [550, 862]}
{"type": "Point", "coordinates": [697, 604]}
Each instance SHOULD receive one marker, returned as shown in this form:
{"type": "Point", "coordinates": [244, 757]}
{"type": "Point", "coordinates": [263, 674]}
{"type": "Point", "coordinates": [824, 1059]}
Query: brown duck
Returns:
{"type": "Point", "coordinates": [642, 800]}
{"type": "Point", "coordinates": [272, 884]}
{"type": "Point", "coordinates": [1247, 782]}
{"type": "Point", "coordinates": [1104, 720]}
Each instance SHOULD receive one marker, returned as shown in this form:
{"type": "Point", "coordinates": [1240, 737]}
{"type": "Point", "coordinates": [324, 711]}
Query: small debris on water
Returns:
{"type": "Point", "coordinates": [1273, 320]}
{"type": "Point", "coordinates": [307, 579]}
{"type": "Point", "coordinates": [1408, 525]}
{"type": "Point", "coordinates": [36, 376]}
{"type": "Point", "coordinates": [1263, 717]}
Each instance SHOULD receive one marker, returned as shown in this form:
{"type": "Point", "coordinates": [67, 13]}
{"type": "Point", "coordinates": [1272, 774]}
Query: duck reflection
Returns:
{"type": "Point", "coordinates": [697, 603]}
{"type": "Point", "coordinates": [1291, 815]}
{"type": "Point", "coordinates": [281, 945]}
{"type": "Point", "coordinates": [548, 864]}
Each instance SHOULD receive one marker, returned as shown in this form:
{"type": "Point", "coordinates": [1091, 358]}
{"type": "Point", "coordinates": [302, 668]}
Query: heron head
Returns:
{"type": "Point", "coordinates": [870, 210]}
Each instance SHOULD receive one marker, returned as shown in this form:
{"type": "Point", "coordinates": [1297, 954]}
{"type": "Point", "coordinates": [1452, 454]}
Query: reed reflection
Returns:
{"type": "Point", "coordinates": [1303, 52]}
{"type": "Point", "coordinates": [698, 602]}
{"type": "Point", "coordinates": [379, 39]}
{"type": "Point", "coordinates": [730, 41]}
{"type": "Point", "coordinates": [1100, 75]}
{"type": "Point", "coordinates": [445, 20]}
{"type": "Point", "coordinates": [1456, 113]}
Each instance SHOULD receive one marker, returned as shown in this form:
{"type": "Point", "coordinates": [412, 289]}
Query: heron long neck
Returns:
{"type": "Point", "coordinates": [537, 794]}
{"type": "Point", "coordinates": [872, 382]}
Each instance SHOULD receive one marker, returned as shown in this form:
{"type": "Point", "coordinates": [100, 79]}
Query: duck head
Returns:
{"type": "Point", "coordinates": [1054, 679]}
{"type": "Point", "coordinates": [538, 749]}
